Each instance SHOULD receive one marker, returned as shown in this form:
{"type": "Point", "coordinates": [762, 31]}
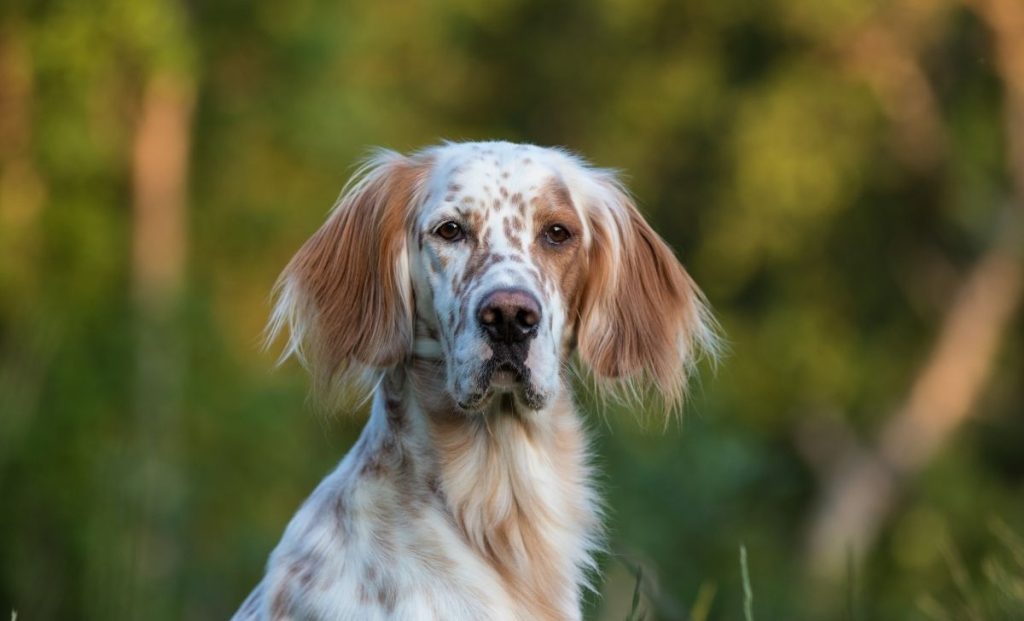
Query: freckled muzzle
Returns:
{"type": "Point", "coordinates": [509, 319]}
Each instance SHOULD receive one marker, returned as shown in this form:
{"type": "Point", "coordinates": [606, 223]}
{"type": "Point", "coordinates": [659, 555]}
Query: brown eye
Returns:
{"type": "Point", "coordinates": [557, 234]}
{"type": "Point", "coordinates": [449, 231]}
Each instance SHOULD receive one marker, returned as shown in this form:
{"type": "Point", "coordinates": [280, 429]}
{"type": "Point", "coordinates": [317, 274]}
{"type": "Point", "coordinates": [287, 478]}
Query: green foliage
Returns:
{"type": "Point", "coordinates": [758, 137]}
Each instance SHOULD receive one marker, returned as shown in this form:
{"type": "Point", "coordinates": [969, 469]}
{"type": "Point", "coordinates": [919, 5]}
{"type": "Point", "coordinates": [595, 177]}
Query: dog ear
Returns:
{"type": "Point", "coordinates": [643, 321]}
{"type": "Point", "coordinates": [346, 296]}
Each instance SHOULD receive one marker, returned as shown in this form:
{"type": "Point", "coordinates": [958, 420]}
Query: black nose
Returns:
{"type": "Point", "coordinates": [509, 315]}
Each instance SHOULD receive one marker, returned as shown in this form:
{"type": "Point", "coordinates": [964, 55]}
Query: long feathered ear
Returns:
{"type": "Point", "coordinates": [643, 322]}
{"type": "Point", "coordinates": [346, 296]}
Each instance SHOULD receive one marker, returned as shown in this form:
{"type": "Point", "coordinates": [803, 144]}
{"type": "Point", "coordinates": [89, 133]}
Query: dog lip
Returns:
{"type": "Point", "coordinates": [508, 367]}
{"type": "Point", "coordinates": [502, 375]}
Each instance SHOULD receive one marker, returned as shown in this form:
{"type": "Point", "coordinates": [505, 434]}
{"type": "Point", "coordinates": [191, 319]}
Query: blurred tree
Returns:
{"type": "Point", "coordinates": [865, 485]}
{"type": "Point", "coordinates": [159, 172]}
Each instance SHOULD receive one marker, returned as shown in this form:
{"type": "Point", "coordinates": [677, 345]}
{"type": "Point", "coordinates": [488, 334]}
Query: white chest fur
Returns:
{"type": "Point", "coordinates": [435, 516]}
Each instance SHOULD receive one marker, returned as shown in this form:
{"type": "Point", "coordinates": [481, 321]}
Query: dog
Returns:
{"type": "Point", "coordinates": [461, 286]}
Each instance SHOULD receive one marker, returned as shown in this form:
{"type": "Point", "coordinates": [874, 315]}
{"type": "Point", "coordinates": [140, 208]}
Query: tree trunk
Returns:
{"type": "Point", "coordinates": [159, 244]}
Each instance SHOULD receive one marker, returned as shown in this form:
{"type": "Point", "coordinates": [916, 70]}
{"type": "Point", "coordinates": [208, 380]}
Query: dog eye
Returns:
{"type": "Point", "coordinates": [449, 231]}
{"type": "Point", "coordinates": [557, 234]}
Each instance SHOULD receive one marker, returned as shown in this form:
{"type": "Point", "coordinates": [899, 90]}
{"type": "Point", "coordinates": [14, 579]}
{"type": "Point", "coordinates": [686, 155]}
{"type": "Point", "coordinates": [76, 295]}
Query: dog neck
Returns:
{"type": "Point", "coordinates": [514, 482]}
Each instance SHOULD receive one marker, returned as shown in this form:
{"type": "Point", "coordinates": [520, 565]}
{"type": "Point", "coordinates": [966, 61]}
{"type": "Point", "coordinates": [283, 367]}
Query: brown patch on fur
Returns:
{"type": "Point", "coordinates": [373, 461]}
{"type": "Point", "coordinates": [304, 570]}
{"type": "Point", "coordinates": [521, 207]}
{"type": "Point", "coordinates": [362, 594]}
{"type": "Point", "coordinates": [347, 273]}
{"type": "Point", "coordinates": [477, 261]}
{"type": "Point", "coordinates": [510, 234]}
{"type": "Point", "coordinates": [559, 263]}
{"type": "Point", "coordinates": [281, 603]}
{"type": "Point", "coordinates": [387, 596]}
{"type": "Point", "coordinates": [637, 310]}
{"type": "Point", "coordinates": [557, 194]}
{"type": "Point", "coordinates": [299, 574]}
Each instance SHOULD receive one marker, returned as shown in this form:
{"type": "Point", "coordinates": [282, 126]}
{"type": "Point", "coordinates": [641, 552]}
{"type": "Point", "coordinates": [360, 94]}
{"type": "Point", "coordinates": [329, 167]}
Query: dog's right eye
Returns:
{"type": "Point", "coordinates": [450, 231]}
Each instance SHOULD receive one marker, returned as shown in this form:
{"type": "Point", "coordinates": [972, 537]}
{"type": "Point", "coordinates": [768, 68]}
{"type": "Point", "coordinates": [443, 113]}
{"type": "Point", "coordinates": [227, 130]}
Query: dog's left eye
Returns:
{"type": "Point", "coordinates": [449, 231]}
{"type": "Point", "coordinates": [557, 234]}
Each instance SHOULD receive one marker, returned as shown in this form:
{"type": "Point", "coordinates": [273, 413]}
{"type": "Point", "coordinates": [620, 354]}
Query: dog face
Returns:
{"type": "Point", "coordinates": [500, 259]}
{"type": "Point", "coordinates": [497, 269]}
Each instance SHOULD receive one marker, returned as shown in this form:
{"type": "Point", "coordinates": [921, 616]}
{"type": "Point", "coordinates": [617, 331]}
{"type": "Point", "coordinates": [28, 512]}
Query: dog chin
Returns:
{"type": "Point", "coordinates": [507, 381]}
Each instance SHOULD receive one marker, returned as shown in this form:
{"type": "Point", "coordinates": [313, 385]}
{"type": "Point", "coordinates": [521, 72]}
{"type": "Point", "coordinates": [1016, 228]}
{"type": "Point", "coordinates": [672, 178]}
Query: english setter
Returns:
{"type": "Point", "coordinates": [457, 284]}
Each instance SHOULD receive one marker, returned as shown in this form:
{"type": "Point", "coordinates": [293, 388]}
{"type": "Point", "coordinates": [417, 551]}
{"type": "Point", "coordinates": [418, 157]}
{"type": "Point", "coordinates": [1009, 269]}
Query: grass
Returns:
{"type": "Point", "coordinates": [705, 595]}
{"type": "Point", "coordinates": [635, 613]}
{"type": "Point", "coordinates": [702, 604]}
{"type": "Point", "coordinates": [993, 591]}
{"type": "Point", "coordinates": [999, 593]}
{"type": "Point", "coordinates": [748, 592]}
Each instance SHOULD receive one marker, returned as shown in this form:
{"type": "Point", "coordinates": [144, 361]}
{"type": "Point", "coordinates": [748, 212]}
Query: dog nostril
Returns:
{"type": "Point", "coordinates": [527, 318]}
{"type": "Point", "coordinates": [488, 316]}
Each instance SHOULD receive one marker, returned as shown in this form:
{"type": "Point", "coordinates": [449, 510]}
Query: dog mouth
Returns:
{"type": "Point", "coordinates": [507, 377]}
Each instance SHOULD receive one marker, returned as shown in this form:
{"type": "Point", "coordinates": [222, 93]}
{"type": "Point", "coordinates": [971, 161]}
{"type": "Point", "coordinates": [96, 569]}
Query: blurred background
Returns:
{"type": "Point", "coordinates": [844, 178]}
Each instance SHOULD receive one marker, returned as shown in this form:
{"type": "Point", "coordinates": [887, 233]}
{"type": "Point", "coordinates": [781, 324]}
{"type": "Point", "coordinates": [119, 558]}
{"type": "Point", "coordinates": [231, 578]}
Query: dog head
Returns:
{"type": "Point", "coordinates": [500, 260]}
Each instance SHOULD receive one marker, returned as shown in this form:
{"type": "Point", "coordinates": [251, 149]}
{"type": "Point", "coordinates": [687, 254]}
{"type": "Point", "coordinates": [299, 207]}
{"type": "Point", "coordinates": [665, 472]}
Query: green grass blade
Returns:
{"type": "Point", "coordinates": [748, 592]}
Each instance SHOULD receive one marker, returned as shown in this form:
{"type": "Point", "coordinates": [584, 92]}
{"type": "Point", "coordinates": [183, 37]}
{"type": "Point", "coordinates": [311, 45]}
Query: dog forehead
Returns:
{"type": "Point", "coordinates": [486, 174]}
{"type": "Point", "coordinates": [490, 172]}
